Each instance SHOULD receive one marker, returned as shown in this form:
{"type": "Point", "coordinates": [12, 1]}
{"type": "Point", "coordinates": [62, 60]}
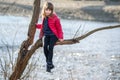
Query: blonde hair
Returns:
{"type": "Point", "coordinates": [47, 5]}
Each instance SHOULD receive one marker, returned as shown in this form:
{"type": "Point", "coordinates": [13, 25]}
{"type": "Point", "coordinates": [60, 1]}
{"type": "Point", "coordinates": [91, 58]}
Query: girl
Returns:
{"type": "Point", "coordinates": [51, 30]}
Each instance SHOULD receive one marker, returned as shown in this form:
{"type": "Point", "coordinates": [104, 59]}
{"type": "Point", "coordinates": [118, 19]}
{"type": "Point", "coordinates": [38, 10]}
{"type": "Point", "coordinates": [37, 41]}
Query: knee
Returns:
{"type": "Point", "coordinates": [51, 48]}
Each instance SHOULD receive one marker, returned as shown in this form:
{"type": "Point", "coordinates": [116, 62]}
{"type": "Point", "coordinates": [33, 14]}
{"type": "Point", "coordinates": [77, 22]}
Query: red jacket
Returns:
{"type": "Point", "coordinates": [55, 26]}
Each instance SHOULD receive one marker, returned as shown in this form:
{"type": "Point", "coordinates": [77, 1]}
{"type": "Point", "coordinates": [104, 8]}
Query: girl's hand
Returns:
{"type": "Point", "coordinates": [61, 40]}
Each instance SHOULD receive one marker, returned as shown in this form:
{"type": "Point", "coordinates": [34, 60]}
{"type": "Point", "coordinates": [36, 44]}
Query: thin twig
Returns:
{"type": "Point", "coordinates": [5, 73]}
{"type": "Point", "coordinates": [82, 30]}
{"type": "Point", "coordinates": [1, 64]}
{"type": "Point", "coordinates": [76, 32]}
{"type": "Point", "coordinates": [8, 50]}
{"type": "Point", "coordinates": [13, 48]}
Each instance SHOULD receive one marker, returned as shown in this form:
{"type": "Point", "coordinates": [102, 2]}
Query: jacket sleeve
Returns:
{"type": "Point", "coordinates": [38, 26]}
{"type": "Point", "coordinates": [59, 29]}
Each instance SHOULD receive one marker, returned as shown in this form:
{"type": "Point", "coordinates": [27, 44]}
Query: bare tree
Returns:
{"type": "Point", "coordinates": [25, 53]}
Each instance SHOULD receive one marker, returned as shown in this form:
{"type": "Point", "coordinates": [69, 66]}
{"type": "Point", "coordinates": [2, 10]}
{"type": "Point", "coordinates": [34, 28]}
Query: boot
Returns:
{"type": "Point", "coordinates": [52, 66]}
{"type": "Point", "coordinates": [49, 67]}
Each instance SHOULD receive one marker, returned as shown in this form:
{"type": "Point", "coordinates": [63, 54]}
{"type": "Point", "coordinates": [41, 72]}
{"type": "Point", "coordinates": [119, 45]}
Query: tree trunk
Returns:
{"type": "Point", "coordinates": [22, 59]}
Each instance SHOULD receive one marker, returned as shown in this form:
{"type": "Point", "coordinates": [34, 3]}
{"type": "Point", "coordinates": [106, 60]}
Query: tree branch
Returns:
{"type": "Point", "coordinates": [77, 39]}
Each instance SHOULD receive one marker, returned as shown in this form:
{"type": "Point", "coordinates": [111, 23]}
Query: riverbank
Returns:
{"type": "Point", "coordinates": [67, 9]}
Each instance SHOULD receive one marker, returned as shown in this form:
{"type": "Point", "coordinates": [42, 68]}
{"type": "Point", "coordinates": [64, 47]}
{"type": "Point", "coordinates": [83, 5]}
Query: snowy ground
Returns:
{"type": "Point", "coordinates": [96, 57]}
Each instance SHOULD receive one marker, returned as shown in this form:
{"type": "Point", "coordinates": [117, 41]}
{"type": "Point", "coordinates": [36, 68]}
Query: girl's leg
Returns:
{"type": "Point", "coordinates": [46, 44]}
{"type": "Point", "coordinates": [53, 40]}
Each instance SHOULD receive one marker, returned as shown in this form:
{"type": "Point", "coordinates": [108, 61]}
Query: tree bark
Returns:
{"type": "Point", "coordinates": [24, 54]}
{"type": "Point", "coordinates": [21, 63]}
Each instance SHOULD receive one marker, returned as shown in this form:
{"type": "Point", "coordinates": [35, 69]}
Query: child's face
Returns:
{"type": "Point", "coordinates": [47, 12]}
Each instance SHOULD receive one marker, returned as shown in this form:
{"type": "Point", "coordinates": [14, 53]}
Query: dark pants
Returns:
{"type": "Point", "coordinates": [49, 42]}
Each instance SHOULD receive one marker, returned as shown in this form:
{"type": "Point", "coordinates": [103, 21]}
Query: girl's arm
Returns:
{"type": "Point", "coordinates": [59, 29]}
{"type": "Point", "coordinates": [38, 26]}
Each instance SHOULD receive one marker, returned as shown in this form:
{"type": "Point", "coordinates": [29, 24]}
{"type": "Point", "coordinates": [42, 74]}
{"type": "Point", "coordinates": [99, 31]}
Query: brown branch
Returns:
{"type": "Point", "coordinates": [96, 30]}
{"type": "Point", "coordinates": [77, 39]}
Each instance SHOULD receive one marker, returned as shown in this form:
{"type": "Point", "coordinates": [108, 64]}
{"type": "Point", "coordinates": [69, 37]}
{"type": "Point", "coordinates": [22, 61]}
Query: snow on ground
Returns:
{"type": "Point", "coordinates": [96, 57]}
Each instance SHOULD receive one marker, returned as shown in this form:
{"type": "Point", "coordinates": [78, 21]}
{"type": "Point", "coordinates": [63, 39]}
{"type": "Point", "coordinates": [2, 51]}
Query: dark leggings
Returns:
{"type": "Point", "coordinates": [49, 42]}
